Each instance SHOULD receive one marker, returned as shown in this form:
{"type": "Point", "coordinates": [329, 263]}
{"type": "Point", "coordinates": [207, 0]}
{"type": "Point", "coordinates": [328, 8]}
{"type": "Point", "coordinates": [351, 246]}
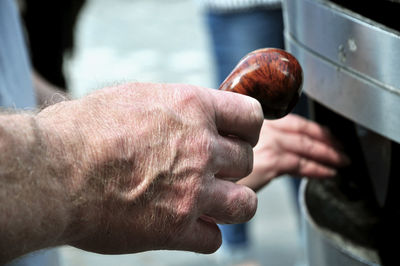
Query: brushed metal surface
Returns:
{"type": "Point", "coordinates": [347, 39]}
{"type": "Point", "coordinates": [351, 64]}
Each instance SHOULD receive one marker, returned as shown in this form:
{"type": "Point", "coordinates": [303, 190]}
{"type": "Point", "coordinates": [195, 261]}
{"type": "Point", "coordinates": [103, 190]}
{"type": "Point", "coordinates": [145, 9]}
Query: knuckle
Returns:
{"type": "Point", "coordinates": [241, 158]}
{"type": "Point", "coordinates": [184, 212]}
{"type": "Point", "coordinates": [256, 113]}
{"type": "Point", "coordinates": [205, 149]}
{"type": "Point", "coordinates": [190, 97]}
{"type": "Point", "coordinates": [302, 164]}
{"type": "Point", "coordinates": [203, 145]}
{"type": "Point", "coordinates": [300, 123]}
{"type": "Point", "coordinates": [213, 241]}
{"type": "Point", "coordinates": [252, 203]}
{"type": "Point", "coordinates": [306, 143]}
{"type": "Point", "coordinates": [182, 215]}
{"type": "Point", "coordinates": [242, 204]}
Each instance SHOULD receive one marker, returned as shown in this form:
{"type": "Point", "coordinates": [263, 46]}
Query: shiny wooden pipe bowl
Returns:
{"type": "Point", "coordinates": [272, 76]}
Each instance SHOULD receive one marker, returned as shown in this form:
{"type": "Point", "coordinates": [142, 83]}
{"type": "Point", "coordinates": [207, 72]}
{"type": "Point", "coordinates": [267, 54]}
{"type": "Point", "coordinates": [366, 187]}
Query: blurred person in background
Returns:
{"type": "Point", "coordinates": [50, 27]}
{"type": "Point", "coordinates": [236, 28]}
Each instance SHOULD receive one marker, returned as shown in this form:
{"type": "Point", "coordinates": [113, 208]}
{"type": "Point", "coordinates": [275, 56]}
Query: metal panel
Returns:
{"type": "Point", "coordinates": [347, 39]}
{"type": "Point", "coordinates": [351, 65]}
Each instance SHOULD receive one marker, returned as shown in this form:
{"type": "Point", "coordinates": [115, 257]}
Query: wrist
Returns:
{"type": "Point", "coordinates": [72, 160]}
{"type": "Point", "coordinates": [31, 193]}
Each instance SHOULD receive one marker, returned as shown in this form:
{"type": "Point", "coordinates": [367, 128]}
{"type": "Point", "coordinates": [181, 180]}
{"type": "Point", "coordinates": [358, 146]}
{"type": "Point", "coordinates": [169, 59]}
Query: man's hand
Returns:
{"type": "Point", "coordinates": [293, 145]}
{"type": "Point", "coordinates": [140, 167]}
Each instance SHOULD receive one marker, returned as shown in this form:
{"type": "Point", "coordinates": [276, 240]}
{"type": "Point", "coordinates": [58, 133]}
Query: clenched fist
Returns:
{"type": "Point", "coordinates": [130, 168]}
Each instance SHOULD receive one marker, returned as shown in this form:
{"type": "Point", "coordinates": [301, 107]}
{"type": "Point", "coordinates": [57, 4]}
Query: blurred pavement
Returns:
{"type": "Point", "coordinates": [165, 41]}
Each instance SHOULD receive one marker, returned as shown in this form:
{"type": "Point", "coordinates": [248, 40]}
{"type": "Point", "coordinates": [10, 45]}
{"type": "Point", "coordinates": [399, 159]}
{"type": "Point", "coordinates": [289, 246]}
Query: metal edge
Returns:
{"type": "Point", "coordinates": [327, 239]}
{"type": "Point", "coordinates": [346, 38]}
{"type": "Point", "coordinates": [347, 93]}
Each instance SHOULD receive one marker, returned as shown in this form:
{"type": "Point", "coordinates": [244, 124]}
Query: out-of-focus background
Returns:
{"type": "Point", "coordinates": [166, 41]}
{"type": "Point", "coordinates": [141, 40]}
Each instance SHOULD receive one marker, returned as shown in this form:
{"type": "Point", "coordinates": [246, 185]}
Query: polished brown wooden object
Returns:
{"type": "Point", "coordinates": [272, 76]}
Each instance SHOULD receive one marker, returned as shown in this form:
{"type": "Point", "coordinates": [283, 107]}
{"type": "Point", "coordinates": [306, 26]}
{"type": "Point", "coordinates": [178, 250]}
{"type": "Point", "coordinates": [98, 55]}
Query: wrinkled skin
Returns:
{"type": "Point", "coordinates": [150, 166]}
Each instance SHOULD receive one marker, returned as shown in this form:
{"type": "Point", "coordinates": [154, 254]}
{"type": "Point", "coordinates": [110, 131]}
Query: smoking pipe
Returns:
{"type": "Point", "coordinates": [272, 76]}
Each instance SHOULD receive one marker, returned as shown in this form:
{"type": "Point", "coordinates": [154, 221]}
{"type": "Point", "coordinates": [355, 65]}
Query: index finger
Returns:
{"type": "Point", "coordinates": [237, 115]}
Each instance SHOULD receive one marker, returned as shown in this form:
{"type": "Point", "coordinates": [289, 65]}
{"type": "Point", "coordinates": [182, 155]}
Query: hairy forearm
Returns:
{"type": "Point", "coordinates": [34, 208]}
{"type": "Point", "coordinates": [111, 172]}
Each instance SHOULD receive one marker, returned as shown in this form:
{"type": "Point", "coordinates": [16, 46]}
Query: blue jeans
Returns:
{"type": "Point", "coordinates": [233, 35]}
{"type": "Point", "coordinates": [47, 257]}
